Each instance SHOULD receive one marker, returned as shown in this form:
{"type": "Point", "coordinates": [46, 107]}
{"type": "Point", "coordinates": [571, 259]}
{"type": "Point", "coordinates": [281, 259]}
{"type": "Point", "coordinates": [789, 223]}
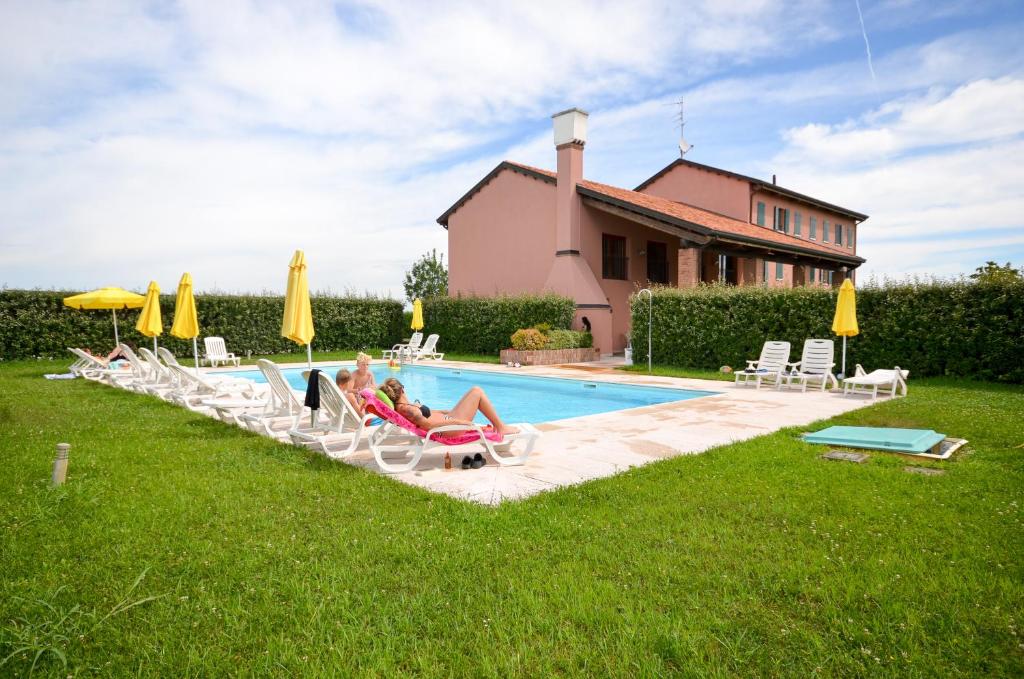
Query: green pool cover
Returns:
{"type": "Point", "coordinates": [878, 438]}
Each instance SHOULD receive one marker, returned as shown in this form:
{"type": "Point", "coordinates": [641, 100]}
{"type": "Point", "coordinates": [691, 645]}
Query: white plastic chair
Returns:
{"type": "Point", "coordinates": [397, 350]}
{"type": "Point", "coordinates": [815, 365]}
{"type": "Point", "coordinates": [773, 360]}
{"type": "Point", "coordinates": [335, 417]}
{"type": "Point", "coordinates": [217, 352]}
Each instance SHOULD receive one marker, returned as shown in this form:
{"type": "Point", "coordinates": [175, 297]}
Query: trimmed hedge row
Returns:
{"type": "Point", "coordinates": [957, 328]}
{"type": "Point", "coordinates": [35, 323]}
{"type": "Point", "coordinates": [484, 325]}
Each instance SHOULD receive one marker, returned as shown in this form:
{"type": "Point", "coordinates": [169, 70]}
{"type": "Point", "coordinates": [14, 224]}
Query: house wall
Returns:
{"type": "Point", "coordinates": [771, 201]}
{"type": "Point", "coordinates": [704, 189]}
{"type": "Point", "coordinates": [502, 240]}
{"type": "Point", "coordinates": [594, 224]}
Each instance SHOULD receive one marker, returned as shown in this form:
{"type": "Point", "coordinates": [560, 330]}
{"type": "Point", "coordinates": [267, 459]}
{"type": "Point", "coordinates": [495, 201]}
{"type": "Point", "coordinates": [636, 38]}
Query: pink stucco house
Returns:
{"type": "Point", "coordinates": [524, 229]}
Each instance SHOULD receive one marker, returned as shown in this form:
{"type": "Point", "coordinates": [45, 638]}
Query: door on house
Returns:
{"type": "Point", "coordinates": [727, 270]}
{"type": "Point", "coordinates": [657, 262]}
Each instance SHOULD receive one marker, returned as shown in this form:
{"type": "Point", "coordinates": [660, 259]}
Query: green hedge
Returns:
{"type": "Point", "coordinates": [955, 328]}
{"type": "Point", "coordinates": [35, 323]}
{"type": "Point", "coordinates": [484, 325]}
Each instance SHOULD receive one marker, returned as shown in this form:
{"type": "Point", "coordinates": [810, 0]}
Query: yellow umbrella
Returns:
{"type": "Point", "coordinates": [186, 320]}
{"type": "Point", "coordinates": [106, 298]}
{"type": "Point", "coordinates": [845, 321]}
{"type": "Point", "coordinates": [417, 315]}
{"type": "Point", "coordinates": [297, 324]}
{"type": "Point", "coordinates": [150, 324]}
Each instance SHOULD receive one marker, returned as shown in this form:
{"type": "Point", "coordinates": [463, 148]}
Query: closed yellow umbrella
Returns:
{"type": "Point", "coordinates": [845, 322]}
{"type": "Point", "coordinates": [106, 298]}
{"type": "Point", "coordinates": [417, 315]}
{"type": "Point", "coordinates": [150, 324]}
{"type": "Point", "coordinates": [186, 320]}
{"type": "Point", "coordinates": [297, 324]}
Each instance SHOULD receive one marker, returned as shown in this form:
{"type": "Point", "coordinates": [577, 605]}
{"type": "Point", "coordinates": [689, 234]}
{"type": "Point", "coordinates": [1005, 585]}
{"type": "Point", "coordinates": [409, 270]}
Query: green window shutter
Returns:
{"type": "Point", "coordinates": [796, 224]}
{"type": "Point", "coordinates": [849, 237]}
{"type": "Point", "coordinates": [839, 234]}
{"type": "Point", "coordinates": [760, 213]}
{"type": "Point", "coordinates": [778, 271]}
{"type": "Point", "coordinates": [813, 229]}
{"type": "Point", "coordinates": [824, 231]}
{"type": "Point", "coordinates": [785, 221]}
{"type": "Point", "coordinates": [810, 274]}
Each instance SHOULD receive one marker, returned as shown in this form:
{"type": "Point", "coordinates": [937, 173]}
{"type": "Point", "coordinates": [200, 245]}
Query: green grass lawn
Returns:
{"type": "Point", "coordinates": [672, 371]}
{"type": "Point", "coordinates": [183, 547]}
{"type": "Point", "coordinates": [350, 355]}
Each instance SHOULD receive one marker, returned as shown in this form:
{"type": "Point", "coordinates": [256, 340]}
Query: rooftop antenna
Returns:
{"type": "Point", "coordinates": [684, 146]}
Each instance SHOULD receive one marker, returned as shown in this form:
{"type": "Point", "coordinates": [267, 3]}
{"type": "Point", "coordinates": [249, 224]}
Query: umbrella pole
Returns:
{"type": "Point", "coordinates": [844, 355]}
{"type": "Point", "coordinates": [195, 353]}
{"type": "Point", "coordinates": [117, 340]}
{"type": "Point", "coordinates": [309, 356]}
{"type": "Point", "coordinates": [154, 344]}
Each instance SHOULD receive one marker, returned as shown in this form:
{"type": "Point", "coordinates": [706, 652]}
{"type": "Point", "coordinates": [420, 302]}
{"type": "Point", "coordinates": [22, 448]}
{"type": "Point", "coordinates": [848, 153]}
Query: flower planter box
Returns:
{"type": "Point", "coordinates": [549, 356]}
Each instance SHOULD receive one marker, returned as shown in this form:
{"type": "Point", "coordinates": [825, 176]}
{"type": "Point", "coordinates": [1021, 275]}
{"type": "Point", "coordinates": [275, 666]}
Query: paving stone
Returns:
{"type": "Point", "coordinates": [926, 471]}
{"type": "Point", "coordinates": [844, 456]}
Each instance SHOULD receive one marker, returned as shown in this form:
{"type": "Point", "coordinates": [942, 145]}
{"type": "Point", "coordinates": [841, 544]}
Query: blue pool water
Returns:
{"type": "Point", "coordinates": [518, 398]}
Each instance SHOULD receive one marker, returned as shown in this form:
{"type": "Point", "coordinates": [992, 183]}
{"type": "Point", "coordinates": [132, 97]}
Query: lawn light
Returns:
{"type": "Point", "coordinates": [60, 464]}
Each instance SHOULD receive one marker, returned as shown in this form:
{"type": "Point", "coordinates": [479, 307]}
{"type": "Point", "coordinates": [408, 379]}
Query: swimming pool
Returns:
{"type": "Point", "coordinates": [518, 398]}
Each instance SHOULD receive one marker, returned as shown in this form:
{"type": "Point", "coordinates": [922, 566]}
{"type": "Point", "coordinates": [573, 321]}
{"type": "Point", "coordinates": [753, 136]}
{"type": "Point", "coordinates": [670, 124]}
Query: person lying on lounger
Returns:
{"type": "Point", "coordinates": [116, 355]}
{"type": "Point", "coordinates": [344, 381]}
{"type": "Point", "coordinates": [472, 402]}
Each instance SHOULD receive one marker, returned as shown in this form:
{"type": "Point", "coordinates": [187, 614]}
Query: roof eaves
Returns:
{"type": "Point", "coordinates": [853, 214]}
{"type": "Point", "coordinates": [503, 165]}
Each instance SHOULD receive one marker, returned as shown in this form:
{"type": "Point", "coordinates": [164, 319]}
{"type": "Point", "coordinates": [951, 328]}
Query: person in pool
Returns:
{"type": "Point", "coordinates": [362, 378]}
{"type": "Point", "coordinates": [472, 402]}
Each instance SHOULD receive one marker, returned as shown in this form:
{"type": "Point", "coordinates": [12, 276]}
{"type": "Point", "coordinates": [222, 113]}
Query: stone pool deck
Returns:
{"type": "Point", "coordinates": [595, 446]}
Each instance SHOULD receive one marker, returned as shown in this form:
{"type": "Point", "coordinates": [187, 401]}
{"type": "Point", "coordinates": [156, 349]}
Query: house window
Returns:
{"type": "Point", "coordinates": [797, 217]}
{"type": "Point", "coordinates": [824, 231]}
{"type": "Point", "coordinates": [657, 262]}
{"type": "Point", "coordinates": [764, 271]}
{"type": "Point", "coordinates": [839, 234]}
{"type": "Point", "coordinates": [849, 237]}
{"type": "Point", "coordinates": [760, 213]}
{"type": "Point", "coordinates": [613, 257]}
{"type": "Point", "coordinates": [778, 271]}
{"type": "Point", "coordinates": [810, 274]}
{"type": "Point", "coordinates": [812, 229]}
{"type": "Point", "coordinates": [830, 274]}
{"type": "Point", "coordinates": [782, 219]}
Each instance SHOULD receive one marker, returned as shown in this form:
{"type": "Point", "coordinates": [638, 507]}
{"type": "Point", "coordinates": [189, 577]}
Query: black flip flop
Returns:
{"type": "Point", "coordinates": [478, 461]}
{"type": "Point", "coordinates": [467, 462]}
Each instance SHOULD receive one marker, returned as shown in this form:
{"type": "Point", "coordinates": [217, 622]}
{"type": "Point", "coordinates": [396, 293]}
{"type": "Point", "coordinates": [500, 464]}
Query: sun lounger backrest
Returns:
{"type": "Point", "coordinates": [334, 403]}
{"type": "Point", "coordinates": [91, 360]}
{"type": "Point", "coordinates": [152, 361]}
{"type": "Point", "coordinates": [133, 360]}
{"type": "Point", "coordinates": [818, 358]}
{"type": "Point", "coordinates": [429, 345]}
{"type": "Point", "coordinates": [774, 356]}
{"type": "Point", "coordinates": [389, 414]}
{"type": "Point", "coordinates": [168, 357]}
{"type": "Point", "coordinates": [414, 341]}
{"type": "Point", "coordinates": [280, 391]}
{"type": "Point", "coordinates": [215, 347]}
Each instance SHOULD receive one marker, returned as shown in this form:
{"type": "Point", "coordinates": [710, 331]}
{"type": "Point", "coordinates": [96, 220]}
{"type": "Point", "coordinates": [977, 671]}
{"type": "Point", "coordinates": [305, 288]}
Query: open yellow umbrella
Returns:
{"type": "Point", "coordinates": [297, 324]}
{"type": "Point", "coordinates": [417, 315]}
{"type": "Point", "coordinates": [150, 324]}
{"type": "Point", "coordinates": [106, 298]}
{"type": "Point", "coordinates": [845, 321]}
{"type": "Point", "coordinates": [186, 320]}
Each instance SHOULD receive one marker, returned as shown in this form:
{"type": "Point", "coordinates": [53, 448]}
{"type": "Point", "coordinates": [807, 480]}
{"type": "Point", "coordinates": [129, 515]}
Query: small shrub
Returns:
{"type": "Point", "coordinates": [528, 339]}
{"type": "Point", "coordinates": [569, 339]}
{"type": "Point", "coordinates": [543, 328]}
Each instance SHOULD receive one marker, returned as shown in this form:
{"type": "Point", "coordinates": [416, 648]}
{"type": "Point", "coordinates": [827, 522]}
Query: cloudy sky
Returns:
{"type": "Point", "coordinates": [140, 140]}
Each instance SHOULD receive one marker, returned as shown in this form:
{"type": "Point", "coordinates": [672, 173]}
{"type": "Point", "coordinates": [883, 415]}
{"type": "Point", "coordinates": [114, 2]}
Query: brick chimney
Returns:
{"type": "Point", "coordinates": [570, 128]}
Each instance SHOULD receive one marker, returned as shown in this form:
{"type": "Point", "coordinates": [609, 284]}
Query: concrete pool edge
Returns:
{"type": "Point", "coordinates": [589, 447]}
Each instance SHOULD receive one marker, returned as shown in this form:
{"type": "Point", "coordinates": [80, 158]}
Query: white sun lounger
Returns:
{"type": "Point", "coordinates": [815, 365]}
{"type": "Point", "coordinates": [92, 368]}
{"type": "Point", "coordinates": [282, 402]}
{"type": "Point", "coordinates": [862, 382]}
{"type": "Point", "coordinates": [193, 389]}
{"type": "Point", "coordinates": [399, 349]}
{"type": "Point", "coordinates": [217, 352]}
{"type": "Point", "coordinates": [428, 350]}
{"type": "Point", "coordinates": [773, 360]}
{"type": "Point", "coordinates": [335, 417]}
{"type": "Point", "coordinates": [161, 380]}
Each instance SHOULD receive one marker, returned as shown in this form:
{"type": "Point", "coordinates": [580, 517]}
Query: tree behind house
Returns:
{"type": "Point", "coordinates": [428, 277]}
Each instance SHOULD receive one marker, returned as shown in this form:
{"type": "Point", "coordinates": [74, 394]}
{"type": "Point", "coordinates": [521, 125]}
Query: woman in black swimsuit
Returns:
{"type": "Point", "coordinates": [472, 402]}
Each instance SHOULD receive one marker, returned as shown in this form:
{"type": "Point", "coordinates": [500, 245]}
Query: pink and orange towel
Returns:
{"type": "Point", "coordinates": [382, 410]}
